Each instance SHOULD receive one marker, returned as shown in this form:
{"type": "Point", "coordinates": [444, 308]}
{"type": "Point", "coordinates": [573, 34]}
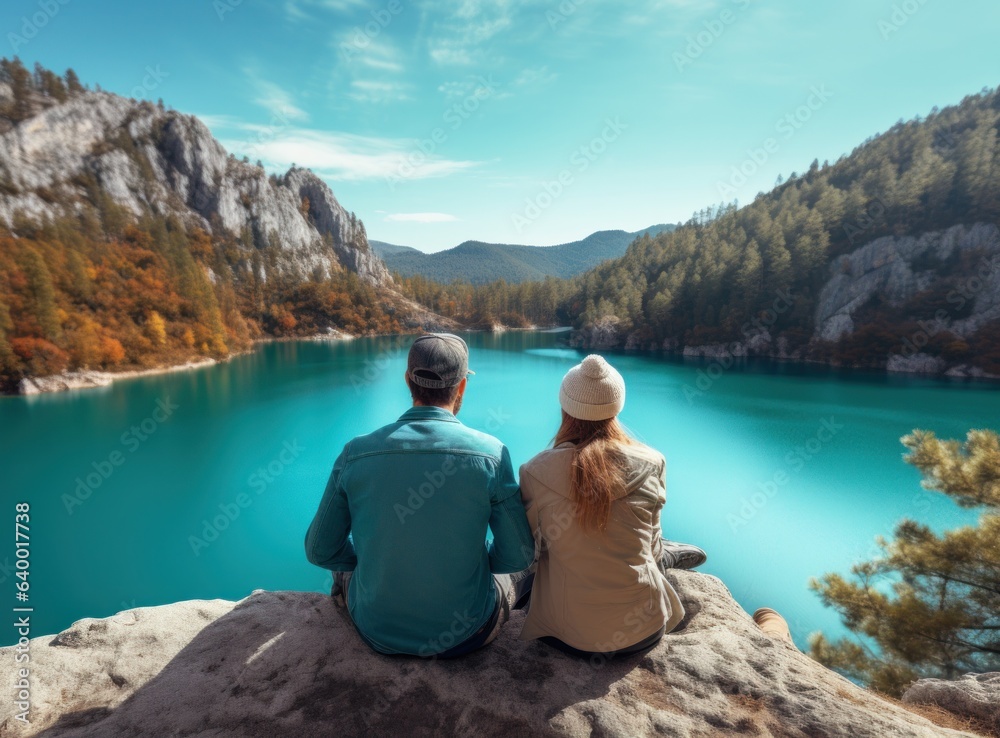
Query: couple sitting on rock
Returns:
{"type": "Point", "coordinates": [404, 519]}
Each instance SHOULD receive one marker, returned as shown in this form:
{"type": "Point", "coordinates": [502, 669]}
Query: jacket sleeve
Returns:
{"type": "Point", "coordinates": [513, 547]}
{"type": "Point", "coordinates": [658, 509]}
{"type": "Point", "coordinates": [328, 540]}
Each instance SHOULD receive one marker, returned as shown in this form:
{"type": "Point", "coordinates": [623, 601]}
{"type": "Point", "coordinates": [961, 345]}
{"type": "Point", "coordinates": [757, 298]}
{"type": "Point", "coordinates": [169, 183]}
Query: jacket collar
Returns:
{"type": "Point", "coordinates": [427, 412]}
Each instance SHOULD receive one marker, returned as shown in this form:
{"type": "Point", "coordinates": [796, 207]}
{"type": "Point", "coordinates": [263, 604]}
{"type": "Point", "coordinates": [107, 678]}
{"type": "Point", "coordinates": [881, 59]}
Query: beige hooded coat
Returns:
{"type": "Point", "coordinates": [598, 591]}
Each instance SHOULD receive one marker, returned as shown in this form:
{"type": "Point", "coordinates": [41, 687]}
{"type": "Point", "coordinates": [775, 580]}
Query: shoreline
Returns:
{"type": "Point", "coordinates": [82, 379]}
{"type": "Point", "coordinates": [92, 379]}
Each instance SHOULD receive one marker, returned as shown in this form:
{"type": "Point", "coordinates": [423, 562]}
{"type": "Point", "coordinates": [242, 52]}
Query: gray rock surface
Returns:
{"type": "Point", "coordinates": [290, 664]}
{"type": "Point", "coordinates": [86, 379]}
{"type": "Point", "coordinates": [975, 696]}
{"type": "Point", "coordinates": [916, 364]}
{"type": "Point", "coordinates": [604, 334]}
{"type": "Point", "coordinates": [737, 350]}
{"type": "Point", "coordinates": [161, 161]}
{"type": "Point", "coordinates": [894, 268]}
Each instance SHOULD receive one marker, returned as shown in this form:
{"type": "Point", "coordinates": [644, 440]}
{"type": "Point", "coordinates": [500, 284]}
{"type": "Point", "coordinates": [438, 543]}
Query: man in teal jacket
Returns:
{"type": "Point", "coordinates": [404, 517]}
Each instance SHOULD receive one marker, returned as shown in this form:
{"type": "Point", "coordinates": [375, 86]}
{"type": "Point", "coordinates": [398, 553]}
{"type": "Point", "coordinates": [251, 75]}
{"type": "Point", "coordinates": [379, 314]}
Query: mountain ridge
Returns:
{"type": "Point", "coordinates": [481, 262]}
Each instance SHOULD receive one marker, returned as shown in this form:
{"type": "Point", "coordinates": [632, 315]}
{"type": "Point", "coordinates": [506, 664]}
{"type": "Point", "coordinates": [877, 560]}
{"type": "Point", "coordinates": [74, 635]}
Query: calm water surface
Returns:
{"type": "Point", "coordinates": [201, 484]}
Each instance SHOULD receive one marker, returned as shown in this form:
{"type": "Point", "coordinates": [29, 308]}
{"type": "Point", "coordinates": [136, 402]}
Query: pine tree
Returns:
{"type": "Point", "coordinates": [8, 361]}
{"type": "Point", "coordinates": [929, 604]}
{"type": "Point", "coordinates": [43, 294]}
{"type": "Point", "coordinates": [21, 90]}
{"type": "Point", "coordinates": [73, 82]}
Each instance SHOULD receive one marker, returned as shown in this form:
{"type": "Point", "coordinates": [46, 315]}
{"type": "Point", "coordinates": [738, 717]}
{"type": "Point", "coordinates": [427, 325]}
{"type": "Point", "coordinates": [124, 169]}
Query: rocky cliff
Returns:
{"type": "Point", "coordinates": [894, 270]}
{"type": "Point", "coordinates": [148, 159]}
{"type": "Point", "coordinates": [939, 288]}
{"type": "Point", "coordinates": [290, 663]}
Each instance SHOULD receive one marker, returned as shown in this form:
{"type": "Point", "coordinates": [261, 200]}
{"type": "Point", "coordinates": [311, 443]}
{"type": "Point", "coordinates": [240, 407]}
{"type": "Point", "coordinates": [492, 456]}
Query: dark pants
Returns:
{"type": "Point", "coordinates": [510, 589]}
{"type": "Point", "coordinates": [604, 655]}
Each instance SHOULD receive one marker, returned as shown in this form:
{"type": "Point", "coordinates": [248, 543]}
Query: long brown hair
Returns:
{"type": "Point", "coordinates": [598, 469]}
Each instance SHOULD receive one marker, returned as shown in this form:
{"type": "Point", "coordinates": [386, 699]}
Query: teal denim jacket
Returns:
{"type": "Point", "coordinates": [407, 508]}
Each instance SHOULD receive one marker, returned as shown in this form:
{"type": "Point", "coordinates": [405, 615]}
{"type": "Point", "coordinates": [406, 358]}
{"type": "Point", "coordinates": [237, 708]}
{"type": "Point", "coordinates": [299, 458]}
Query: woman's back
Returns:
{"type": "Point", "coordinates": [598, 590]}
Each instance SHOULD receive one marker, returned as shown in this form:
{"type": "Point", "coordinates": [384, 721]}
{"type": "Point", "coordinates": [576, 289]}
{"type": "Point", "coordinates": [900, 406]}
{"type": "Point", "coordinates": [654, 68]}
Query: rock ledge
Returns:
{"type": "Point", "coordinates": [289, 663]}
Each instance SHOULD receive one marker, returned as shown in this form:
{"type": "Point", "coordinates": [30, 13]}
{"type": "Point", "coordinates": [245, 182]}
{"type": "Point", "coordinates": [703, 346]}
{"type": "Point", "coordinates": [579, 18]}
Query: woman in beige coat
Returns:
{"type": "Point", "coordinates": [593, 502]}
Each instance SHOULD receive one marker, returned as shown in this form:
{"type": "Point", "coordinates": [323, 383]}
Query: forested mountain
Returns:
{"type": "Point", "coordinates": [476, 262]}
{"type": "Point", "coordinates": [129, 237]}
{"type": "Point", "coordinates": [384, 249]}
{"type": "Point", "coordinates": [887, 258]}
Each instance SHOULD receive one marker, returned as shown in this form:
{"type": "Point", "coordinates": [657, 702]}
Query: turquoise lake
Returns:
{"type": "Point", "coordinates": [781, 473]}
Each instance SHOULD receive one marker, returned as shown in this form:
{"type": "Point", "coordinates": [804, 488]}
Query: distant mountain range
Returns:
{"type": "Point", "coordinates": [479, 263]}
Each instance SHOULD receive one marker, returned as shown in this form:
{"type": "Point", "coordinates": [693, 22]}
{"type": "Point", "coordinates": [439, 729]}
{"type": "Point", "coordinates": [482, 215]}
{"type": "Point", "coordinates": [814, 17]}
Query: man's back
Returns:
{"type": "Point", "coordinates": [417, 497]}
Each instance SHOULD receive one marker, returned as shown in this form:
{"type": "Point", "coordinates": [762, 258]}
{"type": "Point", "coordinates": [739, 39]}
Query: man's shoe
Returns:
{"type": "Point", "coordinates": [682, 555]}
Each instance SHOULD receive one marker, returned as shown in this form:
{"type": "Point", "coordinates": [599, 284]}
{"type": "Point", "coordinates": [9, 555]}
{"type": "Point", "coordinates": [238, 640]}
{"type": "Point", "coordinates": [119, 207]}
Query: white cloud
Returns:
{"type": "Point", "coordinates": [461, 37]}
{"type": "Point", "coordinates": [275, 98]}
{"type": "Point", "coordinates": [534, 76]}
{"type": "Point", "coordinates": [217, 122]}
{"type": "Point", "coordinates": [357, 46]}
{"type": "Point", "coordinates": [344, 156]}
{"type": "Point", "coordinates": [374, 91]}
{"type": "Point", "coordinates": [383, 64]}
{"type": "Point", "coordinates": [472, 85]}
{"type": "Point", "coordinates": [420, 218]}
{"type": "Point", "coordinates": [450, 54]}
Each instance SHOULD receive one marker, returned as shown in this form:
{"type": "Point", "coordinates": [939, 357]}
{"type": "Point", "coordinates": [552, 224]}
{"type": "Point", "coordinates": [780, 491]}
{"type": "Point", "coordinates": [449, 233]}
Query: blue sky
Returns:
{"type": "Point", "coordinates": [526, 122]}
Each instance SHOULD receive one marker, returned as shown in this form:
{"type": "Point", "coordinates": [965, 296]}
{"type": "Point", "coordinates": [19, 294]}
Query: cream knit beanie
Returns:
{"type": "Point", "coordinates": [592, 390]}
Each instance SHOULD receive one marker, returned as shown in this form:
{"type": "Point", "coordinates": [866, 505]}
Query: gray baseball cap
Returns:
{"type": "Point", "coordinates": [438, 360]}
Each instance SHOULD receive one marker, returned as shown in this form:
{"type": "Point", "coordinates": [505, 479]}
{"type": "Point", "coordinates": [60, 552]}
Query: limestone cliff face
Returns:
{"type": "Point", "coordinates": [896, 269]}
{"type": "Point", "coordinates": [152, 160]}
{"type": "Point", "coordinates": [290, 663]}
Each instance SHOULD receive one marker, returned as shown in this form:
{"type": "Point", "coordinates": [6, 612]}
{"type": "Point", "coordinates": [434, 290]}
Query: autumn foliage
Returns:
{"type": "Point", "coordinates": [78, 294]}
